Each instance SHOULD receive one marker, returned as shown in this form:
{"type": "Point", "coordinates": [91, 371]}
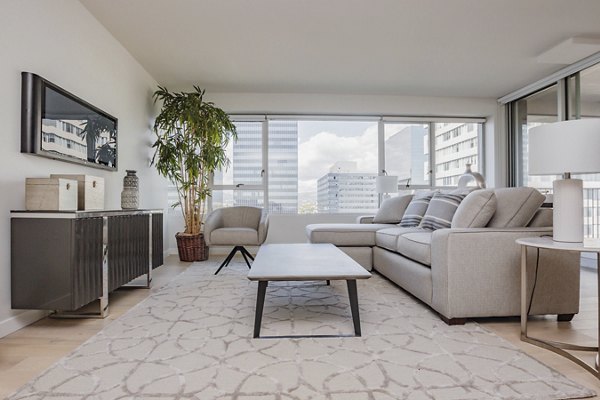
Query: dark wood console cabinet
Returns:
{"type": "Point", "coordinates": [62, 261]}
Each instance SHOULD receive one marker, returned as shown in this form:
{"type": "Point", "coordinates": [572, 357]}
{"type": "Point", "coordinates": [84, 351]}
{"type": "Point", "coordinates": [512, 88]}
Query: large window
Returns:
{"type": "Point", "coordinates": [330, 165]}
{"type": "Point", "coordinates": [572, 97]}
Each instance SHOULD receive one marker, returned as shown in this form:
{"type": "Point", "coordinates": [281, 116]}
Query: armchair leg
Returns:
{"type": "Point", "coordinates": [246, 259]}
{"type": "Point", "coordinates": [227, 260]}
{"type": "Point", "coordinates": [247, 253]}
{"type": "Point", "coordinates": [230, 256]}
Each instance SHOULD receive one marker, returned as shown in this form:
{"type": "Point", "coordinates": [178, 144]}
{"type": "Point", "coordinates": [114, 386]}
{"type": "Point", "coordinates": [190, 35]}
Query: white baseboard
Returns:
{"type": "Point", "coordinates": [21, 320]}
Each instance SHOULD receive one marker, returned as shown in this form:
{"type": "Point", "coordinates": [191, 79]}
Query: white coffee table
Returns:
{"type": "Point", "coordinates": [305, 262]}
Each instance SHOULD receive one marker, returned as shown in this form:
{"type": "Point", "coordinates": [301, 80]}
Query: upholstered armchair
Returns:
{"type": "Point", "coordinates": [237, 227]}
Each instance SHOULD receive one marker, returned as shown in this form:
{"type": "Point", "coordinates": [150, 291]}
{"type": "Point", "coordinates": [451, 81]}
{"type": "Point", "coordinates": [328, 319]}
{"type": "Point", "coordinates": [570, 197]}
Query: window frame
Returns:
{"type": "Point", "coordinates": [381, 121]}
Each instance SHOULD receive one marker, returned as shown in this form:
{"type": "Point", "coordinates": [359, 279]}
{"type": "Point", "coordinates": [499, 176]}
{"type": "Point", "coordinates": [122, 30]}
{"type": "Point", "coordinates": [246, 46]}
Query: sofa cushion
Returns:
{"type": "Point", "coordinates": [234, 237]}
{"type": "Point", "coordinates": [415, 210]}
{"type": "Point", "coordinates": [543, 217]}
{"type": "Point", "coordinates": [416, 246]}
{"type": "Point", "coordinates": [388, 238]}
{"type": "Point", "coordinates": [440, 211]}
{"type": "Point", "coordinates": [515, 207]}
{"type": "Point", "coordinates": [344, 234]}
{"type": "Point", "coordinates": [392, 210]}
{"type": "Point", "coordinates": [476, 210]}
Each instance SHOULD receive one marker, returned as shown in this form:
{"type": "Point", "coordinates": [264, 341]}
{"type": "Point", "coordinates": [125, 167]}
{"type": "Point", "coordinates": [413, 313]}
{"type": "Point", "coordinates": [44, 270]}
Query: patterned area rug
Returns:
{"type": "Point", "coordinates": [192, 339]}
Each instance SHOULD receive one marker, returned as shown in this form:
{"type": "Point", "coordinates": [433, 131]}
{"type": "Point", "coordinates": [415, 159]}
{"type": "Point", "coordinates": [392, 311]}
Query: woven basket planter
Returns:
{"type": "Point", "coordinates": [192, 247]}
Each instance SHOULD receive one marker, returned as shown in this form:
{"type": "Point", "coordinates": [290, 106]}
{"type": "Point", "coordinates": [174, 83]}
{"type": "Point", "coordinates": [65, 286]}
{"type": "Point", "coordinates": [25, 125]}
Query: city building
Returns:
{"type": "Point", "coordinates": [283, 166]}
{"type": "Point", "coordinates": [407, 154]}
{"type": "Point", "coordinates": [345, 190]}
{"type": "Point", "coordinates": [246, 168]}
{"type": "Point", "coordinates": [456, 145]}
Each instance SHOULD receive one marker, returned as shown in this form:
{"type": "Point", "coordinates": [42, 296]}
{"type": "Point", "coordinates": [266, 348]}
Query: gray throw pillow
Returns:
{"type": "Point", "coordinates": [516, 207]}
{"type": "Point", "coordinates": [415, 210]}
{"type": "Point", "coordinates": [476, 210]}
{"type": "Point", "coordinates": [441, 210]}
{"type": "Point", "coordinates": [392, 210]}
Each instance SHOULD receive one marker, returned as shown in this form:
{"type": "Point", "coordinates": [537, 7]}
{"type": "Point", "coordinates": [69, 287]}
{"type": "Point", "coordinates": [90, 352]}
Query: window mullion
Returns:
{"type": "Point", "coordinates": [380, 147]}
{"type": "Point", "coordinates": [265, 162]}
{"type": "Point", "coordinates": [432, 180]}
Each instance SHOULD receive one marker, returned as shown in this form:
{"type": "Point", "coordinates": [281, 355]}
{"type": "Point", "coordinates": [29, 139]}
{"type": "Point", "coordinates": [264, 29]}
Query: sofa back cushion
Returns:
{"type": "Point", "coordinates": [476, 210]}
{"type": "Point", "coordinates": [515, 207]}
{"type": "Point", "coordinates": [441, 210]}
{"type": "Point", "coordinates": [542, 218]}
{"type": "Point", "coordinates": [392, 210]}
{"type": "Point", "coordinates": [415, 210]}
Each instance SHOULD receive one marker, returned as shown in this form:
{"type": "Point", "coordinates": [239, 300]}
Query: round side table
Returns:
{"type": "Point", "coordinates": [560, 348]}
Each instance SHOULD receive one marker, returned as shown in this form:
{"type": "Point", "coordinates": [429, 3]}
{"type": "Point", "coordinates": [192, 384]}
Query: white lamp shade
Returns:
{"type": "Point", "coordinates": [386, 184]}
{"type": "Point", "coordinates": [568, 146]}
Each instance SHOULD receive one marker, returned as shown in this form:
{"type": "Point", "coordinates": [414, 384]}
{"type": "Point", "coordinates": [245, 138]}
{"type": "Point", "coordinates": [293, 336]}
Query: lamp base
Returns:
{"type": "Point", "coordinates": [568, 210]}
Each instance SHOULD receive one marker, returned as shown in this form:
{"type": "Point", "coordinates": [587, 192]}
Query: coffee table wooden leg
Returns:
{"type": "Point", "coordinates": [260, 302]}
{"type": "Point", "coordinates": [353, 295]}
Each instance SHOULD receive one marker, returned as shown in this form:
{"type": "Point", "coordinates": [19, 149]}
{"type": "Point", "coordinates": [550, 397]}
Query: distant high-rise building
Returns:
{"type": "Point", "coordinates": [456, 145]}
{"type": "Point", "coordinates": [246, 164]}
{"type": "Point", "coordinates": [283, 166]}
{"type": "Point", "coordinates": [247, 167]}
{"type": "Point", "coordinates": [407, 154]}
{"type": "Point", "coordinates": [343, 189]}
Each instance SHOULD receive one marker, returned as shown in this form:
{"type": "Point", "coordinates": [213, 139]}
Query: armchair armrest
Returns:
{"type": "Point", "coordinates": [214, 220]}
{"type": "Point", "coordinates": [263, 226]}
{"type": "Point", "coordinates": [476, 272]}
{"type": "Point", "coordinates": [365, 219]}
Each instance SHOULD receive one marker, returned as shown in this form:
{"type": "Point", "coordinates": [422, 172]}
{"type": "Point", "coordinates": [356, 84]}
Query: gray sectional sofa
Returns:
{"type": "Point", "coordinates": [472, 268]}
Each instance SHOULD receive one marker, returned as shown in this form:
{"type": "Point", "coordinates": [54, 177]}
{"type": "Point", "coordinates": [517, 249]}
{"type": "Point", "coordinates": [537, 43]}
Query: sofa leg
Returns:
{"type": "Point", "coordinates": [564, 317]}
{"type": "Point", "coordinates": [454, 321]}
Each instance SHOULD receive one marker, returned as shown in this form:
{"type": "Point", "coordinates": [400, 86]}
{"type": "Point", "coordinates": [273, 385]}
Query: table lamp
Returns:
{"type": "Point", "coordinates": [566, 147]}
{"type": "Point", "coordinates": [386, 184]}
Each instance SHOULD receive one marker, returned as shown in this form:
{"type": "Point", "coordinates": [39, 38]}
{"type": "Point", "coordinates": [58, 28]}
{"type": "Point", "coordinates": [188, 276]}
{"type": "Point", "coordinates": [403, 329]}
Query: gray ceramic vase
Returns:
{"type": "Point", "coordinates": [130, 196]}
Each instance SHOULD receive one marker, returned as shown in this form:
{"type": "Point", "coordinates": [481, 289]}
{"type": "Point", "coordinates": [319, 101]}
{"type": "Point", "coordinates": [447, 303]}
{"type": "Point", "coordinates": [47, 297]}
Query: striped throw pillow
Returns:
{"type": "Point", "coordinates": [414, 212]}
{"type": "Point", "coordinates": [441, 210]}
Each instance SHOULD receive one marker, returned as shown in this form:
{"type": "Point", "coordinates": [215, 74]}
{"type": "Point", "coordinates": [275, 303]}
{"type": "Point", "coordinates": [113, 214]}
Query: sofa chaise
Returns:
{"type": "Point", "coordinates": [472, 268]}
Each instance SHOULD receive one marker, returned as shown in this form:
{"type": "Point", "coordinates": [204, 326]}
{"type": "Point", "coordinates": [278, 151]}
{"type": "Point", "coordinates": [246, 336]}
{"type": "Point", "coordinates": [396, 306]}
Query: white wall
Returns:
{"type": "Point", "coordinates": [62, 42]}
{"type": "Point", "coordinates": [290, 229]}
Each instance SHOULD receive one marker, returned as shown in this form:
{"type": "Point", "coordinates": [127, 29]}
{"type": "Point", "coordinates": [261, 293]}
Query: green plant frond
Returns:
{"type": "Point", "coordinates": [191, 140]}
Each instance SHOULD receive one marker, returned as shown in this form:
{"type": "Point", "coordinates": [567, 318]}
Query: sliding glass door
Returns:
{"type": "Point", "coordinates": [573, 97]}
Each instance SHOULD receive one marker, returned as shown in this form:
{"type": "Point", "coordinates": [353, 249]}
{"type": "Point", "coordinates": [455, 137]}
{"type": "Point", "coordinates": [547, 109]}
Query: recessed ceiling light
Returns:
{"type": "Point", "coordinates": [570, 51]}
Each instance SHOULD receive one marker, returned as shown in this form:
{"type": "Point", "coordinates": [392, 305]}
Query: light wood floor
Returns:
{"type": "Point", "coordinates": [28, 352]}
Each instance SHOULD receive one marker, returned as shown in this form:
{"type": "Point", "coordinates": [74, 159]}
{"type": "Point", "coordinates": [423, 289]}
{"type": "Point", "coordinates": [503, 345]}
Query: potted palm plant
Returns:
{"type": "Point", "coordinates": [192, 136]}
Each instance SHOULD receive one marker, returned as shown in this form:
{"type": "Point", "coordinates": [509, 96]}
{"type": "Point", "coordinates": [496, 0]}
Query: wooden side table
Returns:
{"type": "Point", "coordinates": [556, 347]}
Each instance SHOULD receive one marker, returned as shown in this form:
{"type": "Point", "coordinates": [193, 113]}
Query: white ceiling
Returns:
{"type": "Point", "coordinates": [471, 48]}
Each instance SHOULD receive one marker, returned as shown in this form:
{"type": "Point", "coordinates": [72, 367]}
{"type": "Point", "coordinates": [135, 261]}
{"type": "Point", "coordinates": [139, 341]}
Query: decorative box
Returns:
{"type": "Point", "coordinates": [90, 191]}
{"type": "Point", "coordinates": [51, 194]}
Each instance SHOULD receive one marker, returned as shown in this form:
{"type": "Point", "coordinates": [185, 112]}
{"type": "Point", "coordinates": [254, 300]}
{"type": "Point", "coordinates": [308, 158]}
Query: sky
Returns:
{"type": "Point", "coordinates": [322, 143]}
